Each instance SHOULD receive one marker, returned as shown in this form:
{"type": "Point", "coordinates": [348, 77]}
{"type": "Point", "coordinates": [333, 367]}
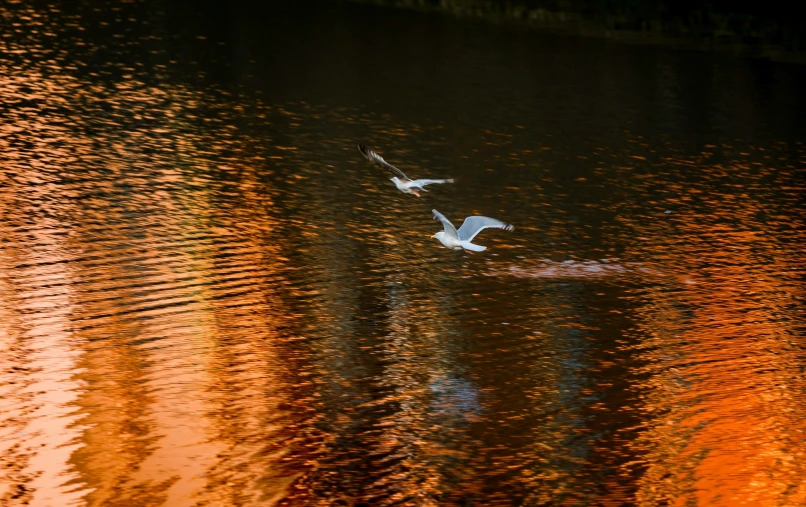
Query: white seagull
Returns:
{"type": "Point", "coordinates": [401, 181]}
{"type": "Point", "coordinates": [457, 240]}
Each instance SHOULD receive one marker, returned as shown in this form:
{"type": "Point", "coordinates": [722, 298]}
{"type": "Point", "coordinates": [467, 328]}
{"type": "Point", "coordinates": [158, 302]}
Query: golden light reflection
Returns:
{"type": "Point", "coordinates": [40, 424]}
{"type": "Point", "coordinates": [724, 419]}
{"type": "Point", "coordinates": [122, 310]}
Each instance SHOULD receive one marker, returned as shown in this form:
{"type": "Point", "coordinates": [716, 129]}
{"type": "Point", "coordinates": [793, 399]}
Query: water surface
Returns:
{"type": "Point", "coordinates": [208, 297]}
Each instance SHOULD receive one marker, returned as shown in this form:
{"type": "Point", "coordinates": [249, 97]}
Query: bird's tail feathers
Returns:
{"type": "Point", "coordinates": [467, 245]}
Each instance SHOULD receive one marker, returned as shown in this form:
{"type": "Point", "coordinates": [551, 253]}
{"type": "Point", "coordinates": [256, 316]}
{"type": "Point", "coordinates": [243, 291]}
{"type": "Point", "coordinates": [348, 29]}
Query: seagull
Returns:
{"type": "Point", "coordinates": [457, 240]}
{"type": "Point", "coordinates": [401, 181]}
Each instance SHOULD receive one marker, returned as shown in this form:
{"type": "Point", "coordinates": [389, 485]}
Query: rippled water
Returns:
{"type": "Point", "coordinates": [208, 297]}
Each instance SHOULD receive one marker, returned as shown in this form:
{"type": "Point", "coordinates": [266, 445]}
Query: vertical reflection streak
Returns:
{"type": "Point", "coordinates": [38, 405]}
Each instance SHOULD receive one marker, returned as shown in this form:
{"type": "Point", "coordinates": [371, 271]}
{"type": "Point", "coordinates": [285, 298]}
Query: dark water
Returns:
{"type": "Point", "coordinates": [209, 298]}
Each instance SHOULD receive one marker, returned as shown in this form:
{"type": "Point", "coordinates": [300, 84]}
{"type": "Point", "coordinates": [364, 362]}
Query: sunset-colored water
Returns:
{"type": "Point", "coordinates": [208, 297]}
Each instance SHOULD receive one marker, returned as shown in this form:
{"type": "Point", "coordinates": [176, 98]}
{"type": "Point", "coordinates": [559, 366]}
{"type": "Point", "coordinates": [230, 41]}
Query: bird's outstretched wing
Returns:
{"type": "Point", "coordinates": [377, 159]}
{"type": "Point", "coordinates": [450, 230]}
{"type": "Point", "coordinates": [422, 183]}
{"type": "Point", "coordinates": [474, 225]}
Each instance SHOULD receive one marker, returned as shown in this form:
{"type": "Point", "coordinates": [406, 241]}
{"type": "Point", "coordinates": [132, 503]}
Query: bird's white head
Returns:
{"type": "Point", "coordinates": [439, 235]}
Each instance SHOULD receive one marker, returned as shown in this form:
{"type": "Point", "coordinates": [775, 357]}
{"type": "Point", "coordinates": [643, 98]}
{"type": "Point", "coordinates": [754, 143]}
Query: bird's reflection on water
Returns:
{"type": "Point", "coordinates": [209, 297]}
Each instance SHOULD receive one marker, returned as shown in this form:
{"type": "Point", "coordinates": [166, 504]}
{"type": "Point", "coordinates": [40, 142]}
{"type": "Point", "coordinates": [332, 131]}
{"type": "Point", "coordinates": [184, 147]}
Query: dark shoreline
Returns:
{"type": "Point", "coordinates": [778, 34]}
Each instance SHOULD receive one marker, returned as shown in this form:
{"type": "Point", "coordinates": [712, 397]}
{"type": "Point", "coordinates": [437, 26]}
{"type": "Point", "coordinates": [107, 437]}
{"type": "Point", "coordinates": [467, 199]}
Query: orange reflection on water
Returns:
{"type": "Point", "coordinates": [138, 339]}
{"type": "Point", "coordinates": [170, 372]}
{"type": "Point", "coordinates": [38, 358]}
{"type": "Point", "coordinates": [724, 396]}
